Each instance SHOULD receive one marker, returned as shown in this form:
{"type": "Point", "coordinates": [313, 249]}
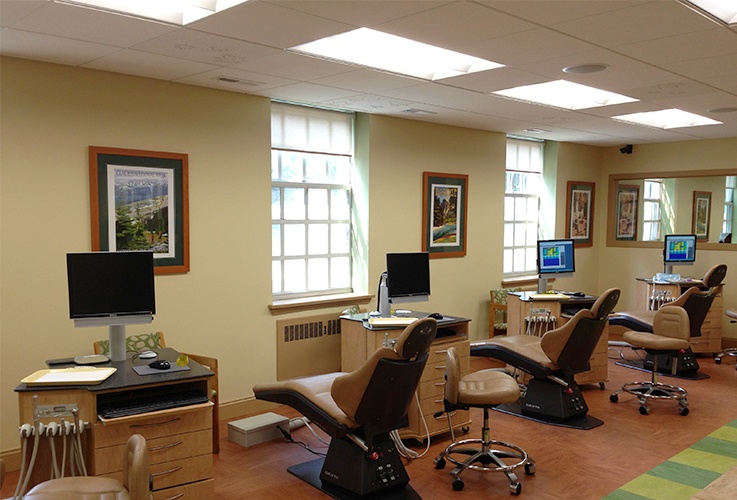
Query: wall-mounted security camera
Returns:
{"type": "Point", "coordinates": [626, 150]}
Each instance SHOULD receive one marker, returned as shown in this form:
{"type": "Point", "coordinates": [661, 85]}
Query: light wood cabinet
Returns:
{"type": "Point", "coordinates": [358, 342]}
{"type": "Point", "coordinates": [652, 295]}
{"type": "Point", "coordinates": [522, 308]}
{"type": "Point", "coordinates": [179, 440]}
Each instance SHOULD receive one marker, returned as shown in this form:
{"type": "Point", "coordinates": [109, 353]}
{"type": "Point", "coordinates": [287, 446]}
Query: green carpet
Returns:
{"type": "Point", "coordinates": [688, 472]}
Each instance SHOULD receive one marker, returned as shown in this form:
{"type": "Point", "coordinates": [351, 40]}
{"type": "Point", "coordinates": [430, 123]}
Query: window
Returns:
{"type": "Point", "coordinates": [311, 197]}
{"type": "Point", "coordinates": [521, 202]}
{"type": "Point", "coordinates": [729, 203]}
{"type": "Point", "coordinates": [652, 198]}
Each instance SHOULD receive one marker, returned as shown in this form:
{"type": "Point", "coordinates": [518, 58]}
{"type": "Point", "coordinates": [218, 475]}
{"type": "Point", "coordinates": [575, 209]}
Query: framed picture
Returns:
{"type": "Point", "coordinates": [139, 201]}
{"type": "Point", "coordinates": [444, 214]}
{"type": "Point", "coordinates": [700, 219]}
{"type": "Point", "coordinates": [580, 213]}
{"type": "Point", "coordinates": [627, 200]}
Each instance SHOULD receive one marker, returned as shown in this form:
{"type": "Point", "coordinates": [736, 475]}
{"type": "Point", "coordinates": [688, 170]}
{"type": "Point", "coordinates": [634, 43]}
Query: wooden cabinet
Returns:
{"type": "Point", "coordinates": [179, 440]}
{"type": "Point", "coordinates": [526, 315]}
{"type": "Point", "coordinates": [652, 295]}
{"type": "Point", "coordinates": [358, 342]}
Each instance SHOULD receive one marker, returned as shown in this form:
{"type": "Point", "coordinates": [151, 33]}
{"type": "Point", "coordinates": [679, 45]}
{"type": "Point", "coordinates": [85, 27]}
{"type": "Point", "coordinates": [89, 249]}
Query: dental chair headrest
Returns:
{"type": "Point", "coordinates": [715, 276]}
{"type": "Point", "coordinates": [416, 338]}
{"type": "Point", "coordinates": [605, 303]}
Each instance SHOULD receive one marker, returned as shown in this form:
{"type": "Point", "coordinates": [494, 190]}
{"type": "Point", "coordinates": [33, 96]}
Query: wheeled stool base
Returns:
{"type": "Point", "coordinates": [730, 352]}
{"type": "Point", "coordinates": [490, 456]}
{"type": "Point", "coordinates": [653, 390]}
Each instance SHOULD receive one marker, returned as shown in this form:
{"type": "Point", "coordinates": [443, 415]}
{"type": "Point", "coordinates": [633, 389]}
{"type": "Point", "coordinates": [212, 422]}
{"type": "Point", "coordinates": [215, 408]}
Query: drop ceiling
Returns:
{"type": "Point", "coordinates": [660, 52]}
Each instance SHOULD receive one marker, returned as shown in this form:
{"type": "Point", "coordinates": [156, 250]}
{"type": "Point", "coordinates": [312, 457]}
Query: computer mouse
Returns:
{"type": "Point", "coordinates": [147, 355]}
{"type": "Point", "coordinates": [435, 315]}
{"type": "Point", "coordinates": [578, 294]}
{"type": "Point", "coordinates": [161, 364]}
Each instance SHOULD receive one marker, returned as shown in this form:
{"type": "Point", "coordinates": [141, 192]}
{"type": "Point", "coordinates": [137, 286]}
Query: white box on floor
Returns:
{"type": "Point", "coordinates": [257, 429]}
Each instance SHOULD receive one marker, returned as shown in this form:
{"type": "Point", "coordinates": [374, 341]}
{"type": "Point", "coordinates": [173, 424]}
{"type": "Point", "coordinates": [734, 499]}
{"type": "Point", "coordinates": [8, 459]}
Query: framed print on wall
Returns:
{"type": "Point", "coordinates": [444, 214]}
{"type": "Point", "coordinates": [627, 200]}
{"type": "Point", "coordinates": [139, 201]}
{"type": "Point", "coordinates": [580, 213]}
{"type": "Point", "coordinates": [700, 219]}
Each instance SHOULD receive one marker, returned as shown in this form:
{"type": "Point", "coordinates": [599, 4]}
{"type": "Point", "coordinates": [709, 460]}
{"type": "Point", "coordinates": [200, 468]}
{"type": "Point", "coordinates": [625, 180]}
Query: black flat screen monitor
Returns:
{"type": "Point", "coordinates": [111, 289]}
{"type": "Point", "coordinates": [555, 257]}
{"type": "Point", "coordinates": [679, 249]}
{"type": "Point", "coordinates": [408, 277]}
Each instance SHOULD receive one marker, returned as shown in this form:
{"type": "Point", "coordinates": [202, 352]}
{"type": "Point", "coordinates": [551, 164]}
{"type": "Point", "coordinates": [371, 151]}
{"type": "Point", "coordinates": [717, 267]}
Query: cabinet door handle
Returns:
{"type": "Point", "coordinates": [165, 446]}
{"type": "Point", "coordinates": [175, 497]}
{"type": "Point", "coordinates": [165, 472]}
{"type": "Point", "coordinates": [158, 424]}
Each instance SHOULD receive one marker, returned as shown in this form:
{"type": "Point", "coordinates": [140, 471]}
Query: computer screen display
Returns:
{"type": "Point", "coordinates": [110, 284]}
{"type": "Point", "coordinates": [680, 249]}
{"type": "Point", "coordinates": [408, 276]}
{"type": "Point", "coordinates": [555, 257]}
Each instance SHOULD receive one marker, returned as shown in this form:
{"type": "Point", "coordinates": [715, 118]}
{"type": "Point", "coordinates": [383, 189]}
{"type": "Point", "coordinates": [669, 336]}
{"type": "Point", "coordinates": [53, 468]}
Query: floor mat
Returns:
{"type": "Point", "coordinates": [584, 422]}
{"type": "Point", "coordinates": [640, 365]}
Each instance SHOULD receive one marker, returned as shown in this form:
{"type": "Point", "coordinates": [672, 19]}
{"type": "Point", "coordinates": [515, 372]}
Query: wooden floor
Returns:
{"type": "Point", "coordinates": [570, 463]}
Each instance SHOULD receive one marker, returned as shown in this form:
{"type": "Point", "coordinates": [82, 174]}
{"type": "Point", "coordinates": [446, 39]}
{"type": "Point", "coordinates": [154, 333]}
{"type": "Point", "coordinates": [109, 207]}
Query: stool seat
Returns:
{"type": "Point", "coordinates": [79, 488]}
{"type": "Point", "coordinates": [487, 388]}
{"type": "Point", "coordinates": [653, 341]}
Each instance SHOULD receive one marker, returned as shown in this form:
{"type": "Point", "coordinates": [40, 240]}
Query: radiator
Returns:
{"type": "Point", "coordinates": [307, 346]}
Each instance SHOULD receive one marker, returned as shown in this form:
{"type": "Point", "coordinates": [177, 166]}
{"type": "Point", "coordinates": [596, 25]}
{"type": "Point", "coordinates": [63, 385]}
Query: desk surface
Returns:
{"type": "Point", "coordinates": [446, 321]}
{"type": "Point", "coordinates": [125, 376]}
{"type": "Point", "coordinates": [533, 297]}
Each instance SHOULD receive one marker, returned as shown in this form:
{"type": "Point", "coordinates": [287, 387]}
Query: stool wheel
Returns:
{"type": "Point", "coordinates": [515, 488]}
{"type": "Point", "coordinates": [458, 484]}
{"type": "Point", "coordinates": [644, 410]}
{"type": "Point", "coordinates": [602, 386]}
{"type": "Point", "coordinates": [613, 398]}
{"type": "Point", "coordinates": [683, 411]}
{"type": "Point", "coordinates": [529, 469]}
{"type": "Point", "coordinates": [439, 463]}
{"type": "Point", "coordinates": [718, 361]}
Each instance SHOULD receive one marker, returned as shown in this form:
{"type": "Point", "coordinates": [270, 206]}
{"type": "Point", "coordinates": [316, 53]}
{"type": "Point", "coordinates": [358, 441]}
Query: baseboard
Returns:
{"type": "Point", "coordinates": [729, 342]}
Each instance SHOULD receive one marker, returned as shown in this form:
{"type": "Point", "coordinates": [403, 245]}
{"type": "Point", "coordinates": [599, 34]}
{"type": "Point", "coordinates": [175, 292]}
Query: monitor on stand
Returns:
{"type": "Point", "coordinates": [555, 259]}
{"type": "Point", "coordinates": [679, 249]}
{"type": "Point", "coordinates": [407, 279]}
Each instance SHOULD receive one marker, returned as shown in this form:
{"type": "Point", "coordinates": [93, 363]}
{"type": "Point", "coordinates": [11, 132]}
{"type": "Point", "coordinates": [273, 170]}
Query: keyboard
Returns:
{"type": "Point", "coordinates": [403, 321]}
{"type": "Point", "coordinates": [151, 403]}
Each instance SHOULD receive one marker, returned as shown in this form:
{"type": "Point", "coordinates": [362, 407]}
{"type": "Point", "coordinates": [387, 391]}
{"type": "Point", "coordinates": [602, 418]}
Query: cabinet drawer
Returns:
{"type": "Point", "coordinates": [202, 490]}
{"type": "Point", "coordinates": [153, 425]}
{"type": "Point", "coordinates": [705, 344]}
{"type": "Point", "coordinates": [164, 449]}
{"type": "Point", "coordinates": [439, 351]}
{"type": "Point", "coordinates": [177, 472]}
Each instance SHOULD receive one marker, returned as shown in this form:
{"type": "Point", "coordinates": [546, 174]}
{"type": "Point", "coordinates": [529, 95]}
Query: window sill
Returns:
{"type": "Point", "coordinates": [326, 301]}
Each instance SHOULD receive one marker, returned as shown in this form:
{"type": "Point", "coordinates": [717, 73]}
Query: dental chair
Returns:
{"type": "Point", "coordinates": [552, 394]}
{"type": "Point", "coordinates": [358, 410]}
{"type": "Point", "coordinates": [696, 303]}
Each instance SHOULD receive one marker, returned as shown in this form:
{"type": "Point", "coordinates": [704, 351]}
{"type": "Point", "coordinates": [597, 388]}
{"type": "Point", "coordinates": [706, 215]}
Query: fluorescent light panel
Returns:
{"type": "Point", "coordinates": [565, 95]}
{"type": "Point", "coordinates": [666, 119]}
{"type": "Point", "coordinates": [179, 12]}
{"type": "Point", "coordinates": [724, 10]}
{"type": "Point", "coordinates": [374, 49]}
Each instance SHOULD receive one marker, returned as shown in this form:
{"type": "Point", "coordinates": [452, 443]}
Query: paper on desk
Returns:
{"type": "Point", "coordinates": [83, 375]}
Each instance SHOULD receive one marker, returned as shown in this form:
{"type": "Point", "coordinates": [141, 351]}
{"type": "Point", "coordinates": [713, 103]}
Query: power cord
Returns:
{"type": "Point", "coordinates": [288, 436]}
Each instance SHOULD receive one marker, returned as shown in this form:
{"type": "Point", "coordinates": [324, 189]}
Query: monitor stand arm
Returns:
{"type": "Point", "coordinates": [116, 337]}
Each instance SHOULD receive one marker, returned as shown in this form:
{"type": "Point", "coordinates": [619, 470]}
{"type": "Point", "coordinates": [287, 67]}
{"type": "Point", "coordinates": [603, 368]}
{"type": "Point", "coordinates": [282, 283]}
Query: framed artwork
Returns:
{"type": "Point", "coordinates": [139, 201]}
{"type": "Point", "coordinates": [627, 200]}
{"type": "Point", "coordinates": [580, 213]}
{"type": "Point", "coordinates": [700, 219]}
{"type": "Point", "coordinates": [444, 214]}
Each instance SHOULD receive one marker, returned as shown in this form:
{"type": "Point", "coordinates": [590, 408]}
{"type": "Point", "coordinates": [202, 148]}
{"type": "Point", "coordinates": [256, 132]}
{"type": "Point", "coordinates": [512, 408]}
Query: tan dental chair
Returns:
{"type": "Point", "coordinates": [669, 337]}
{"type": "Point", "coordinates": [358, 410]}
{"type": "Point", "coordinates": [482, 389]}
{"type": "Point", "coordinates": [553, 360]}
{"type": "Point", "coordinates": [136, 483]}
{"type": "Point", "coordinates": [696, 302]}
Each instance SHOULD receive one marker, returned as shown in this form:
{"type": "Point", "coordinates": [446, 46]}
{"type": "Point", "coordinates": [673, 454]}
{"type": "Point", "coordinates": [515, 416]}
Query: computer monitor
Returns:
{"type": "Point", "coordinates": [407, 279]}
{"type": "Point", "coordinates": [555, 258]}
{"type": "Point", "coordinates": [679, 249]}
{"type": "Point", "coordinates": [112, 289]}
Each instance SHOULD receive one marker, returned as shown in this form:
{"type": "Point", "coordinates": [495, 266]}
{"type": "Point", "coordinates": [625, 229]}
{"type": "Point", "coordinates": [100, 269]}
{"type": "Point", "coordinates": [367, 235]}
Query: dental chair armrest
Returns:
{"type": "Point", "coordinates": [519, 351]}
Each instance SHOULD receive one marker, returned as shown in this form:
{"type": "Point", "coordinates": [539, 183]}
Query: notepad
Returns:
{"type": "Point", "coordinates": [403, 321]}
{"type": "Point", "coordinates": [83, 375]}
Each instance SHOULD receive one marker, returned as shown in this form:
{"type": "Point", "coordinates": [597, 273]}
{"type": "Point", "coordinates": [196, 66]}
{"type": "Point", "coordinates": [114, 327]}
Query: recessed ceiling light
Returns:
{"type": "Point", "coordinates": [563, 94]}
{"type": "Point", "coordinates": [723, 110]}
{"type": "Point", "coordinates": [374, 49]}
{"type": "Point", "coordinates": [721, 10]}
{"type": "Point", "coordinates": [666, 119]}
{"type": "Point", "coordinates": [179, 12]}
{"type": "Point", "coordinates": [583, 69]}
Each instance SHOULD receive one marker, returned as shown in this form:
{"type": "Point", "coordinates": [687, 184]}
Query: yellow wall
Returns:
{"type": "Point", "coordinates": [51, 114]}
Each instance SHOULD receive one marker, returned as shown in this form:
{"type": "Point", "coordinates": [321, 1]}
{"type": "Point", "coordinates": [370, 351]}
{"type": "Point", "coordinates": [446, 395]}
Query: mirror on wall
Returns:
{"type": "Point", "coordinates": [644, 207]}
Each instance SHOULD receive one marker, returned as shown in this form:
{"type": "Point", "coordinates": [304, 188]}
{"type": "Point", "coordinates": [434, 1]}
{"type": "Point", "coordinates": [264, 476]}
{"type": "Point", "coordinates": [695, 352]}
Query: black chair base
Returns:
{"type": "Point", "coordinates": [730, 352]}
